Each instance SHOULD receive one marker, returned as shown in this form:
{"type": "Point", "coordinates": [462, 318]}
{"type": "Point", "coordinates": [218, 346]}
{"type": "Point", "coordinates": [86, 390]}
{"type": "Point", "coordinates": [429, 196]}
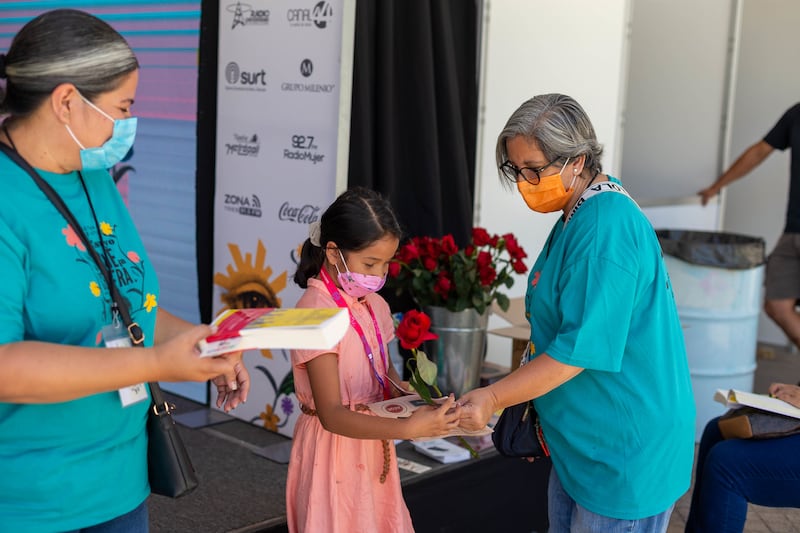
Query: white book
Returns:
{"type": "Point", "coordinates": [442, 450]}
{"type": "Point", "coordinates": [279, 327]}
{"type": "Point", "coordinates": [733, 399]}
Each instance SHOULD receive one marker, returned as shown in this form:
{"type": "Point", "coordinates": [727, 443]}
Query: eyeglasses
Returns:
{"type": "Point", "coordinates": [529, 174]}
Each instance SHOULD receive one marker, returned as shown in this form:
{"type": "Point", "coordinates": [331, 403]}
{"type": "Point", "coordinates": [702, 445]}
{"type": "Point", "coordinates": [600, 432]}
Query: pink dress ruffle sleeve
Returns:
{"type": "Point", "coordinates": [333, 484]}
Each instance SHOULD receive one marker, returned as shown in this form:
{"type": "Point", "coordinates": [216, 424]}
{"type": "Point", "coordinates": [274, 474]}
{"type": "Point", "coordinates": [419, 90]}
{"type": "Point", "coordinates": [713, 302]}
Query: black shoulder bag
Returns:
{"type": "Point", "coordinates": [517, 432]}
{"type": "Point", "coordinates": [168, 463]}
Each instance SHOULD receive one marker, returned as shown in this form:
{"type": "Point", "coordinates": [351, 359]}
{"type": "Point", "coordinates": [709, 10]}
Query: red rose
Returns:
{"type": "Point", "coordinates": [518, 266]}
{"type": "Point", "coordinates": [414, 329]}
{"type": "Point", "coordinates": [449, 245]}
{"type": "Point", "coordinates": [480, 236]}
{"type": "Point", "coordinates": [487, 276]}
{"type": "Point", "coordinates": [443, 284]}
{"type": "Point", "coordinates": [408, 253]}
{"type": "Point", "coordinates": [394, 269]}
{"type": "Point", "coordinates": [513, 247]}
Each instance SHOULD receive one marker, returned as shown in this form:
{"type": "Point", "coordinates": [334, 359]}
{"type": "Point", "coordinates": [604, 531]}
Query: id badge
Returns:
{"type": "Point", "coordinates": [116, 336]}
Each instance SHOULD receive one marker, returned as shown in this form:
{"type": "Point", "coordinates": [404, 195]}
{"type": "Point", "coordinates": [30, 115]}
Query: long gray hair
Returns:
{"type": "Point", "coordinates": [63, 46]}
{"type": "Point", "coordinates": [560, 127]}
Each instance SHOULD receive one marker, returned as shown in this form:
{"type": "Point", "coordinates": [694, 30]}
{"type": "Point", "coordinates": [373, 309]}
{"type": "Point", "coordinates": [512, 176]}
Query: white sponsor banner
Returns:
{"type": "Point", "coordinates": [279, 130]}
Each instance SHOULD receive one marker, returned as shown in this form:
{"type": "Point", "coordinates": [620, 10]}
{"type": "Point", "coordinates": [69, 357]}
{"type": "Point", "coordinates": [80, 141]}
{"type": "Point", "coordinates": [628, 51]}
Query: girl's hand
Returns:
{"type": "Point", "coordinates": [788, 393]}
{"type": "Point", "coordinates": [435, 421]}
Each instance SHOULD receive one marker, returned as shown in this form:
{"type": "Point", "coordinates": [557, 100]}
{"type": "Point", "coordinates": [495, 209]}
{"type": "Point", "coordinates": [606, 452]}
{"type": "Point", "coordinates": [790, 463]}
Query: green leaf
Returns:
{"type": "Point", "coordinates": [426, 368]}
{"type": "Point", "coordinates": [502, 301]}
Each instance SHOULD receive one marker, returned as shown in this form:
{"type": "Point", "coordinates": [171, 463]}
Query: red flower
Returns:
{"type": "Point", "coordinates": [487, 275]}
{"type": "Point", "coordinates": [449, 245]}
{"type": "Point", "coordinates": [408, 253]}
{"type": "Point", "coordinates": [480, 237]}
{"type": "Point", "coordinates": [414, 329]}
{"type": "Point", "coordinates": [443, 285]}
{"type": "Point", "coordinates": [514, 249]}
{"type": "Point", "coordinates": [518, 266]}
{"type": "Point", "coordinates": [436, 272]}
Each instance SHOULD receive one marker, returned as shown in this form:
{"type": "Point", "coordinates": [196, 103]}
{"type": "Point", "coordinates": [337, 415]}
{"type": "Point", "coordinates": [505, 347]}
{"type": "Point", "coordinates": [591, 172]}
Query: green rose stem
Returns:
{"type": "Point", "coordinates": [423, 380]}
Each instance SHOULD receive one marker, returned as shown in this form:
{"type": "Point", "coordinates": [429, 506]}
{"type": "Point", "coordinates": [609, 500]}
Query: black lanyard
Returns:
{"type": "Point", "coordinates": [119, 303]}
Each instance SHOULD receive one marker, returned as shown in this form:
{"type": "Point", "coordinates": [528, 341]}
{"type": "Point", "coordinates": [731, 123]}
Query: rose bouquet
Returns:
{"type": "Point", "coordinates": [437, 273]}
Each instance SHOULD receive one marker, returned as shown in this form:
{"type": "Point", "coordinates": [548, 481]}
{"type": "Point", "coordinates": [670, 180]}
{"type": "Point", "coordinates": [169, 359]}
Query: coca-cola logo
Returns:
{"type": "Point", "coordinates": [305, 214]}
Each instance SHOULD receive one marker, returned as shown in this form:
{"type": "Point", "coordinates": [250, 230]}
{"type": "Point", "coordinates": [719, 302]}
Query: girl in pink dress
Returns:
{"type": "Point", "coordinates": [343, 475]}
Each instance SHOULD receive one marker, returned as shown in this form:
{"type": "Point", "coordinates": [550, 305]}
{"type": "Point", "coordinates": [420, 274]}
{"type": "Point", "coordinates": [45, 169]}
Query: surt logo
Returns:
{"type": "Point", "coordinates": [234, 75]}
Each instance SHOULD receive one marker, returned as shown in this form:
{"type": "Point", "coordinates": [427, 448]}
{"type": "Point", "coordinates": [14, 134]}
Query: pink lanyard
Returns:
{"type": "Point", "coordinates": [337, 297]}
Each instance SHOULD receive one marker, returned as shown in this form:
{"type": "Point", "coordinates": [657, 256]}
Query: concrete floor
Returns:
{"type": "Point", "coordinates": [774, 363]}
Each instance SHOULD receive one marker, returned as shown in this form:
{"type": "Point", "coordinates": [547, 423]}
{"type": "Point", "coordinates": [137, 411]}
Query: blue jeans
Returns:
{"type": "Point", "coordinates": [567, 516]}
{"type": "Point", "coordinates": [732, 472]}
{"type": "Point", "coordinates": [137, 521]}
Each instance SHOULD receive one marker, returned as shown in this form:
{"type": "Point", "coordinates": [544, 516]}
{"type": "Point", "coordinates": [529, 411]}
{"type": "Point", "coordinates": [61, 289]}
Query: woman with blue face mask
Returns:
{"type": "Point", "coordinates": [343, 473]}
{"type": "Point", "coordinates": [73, 445]}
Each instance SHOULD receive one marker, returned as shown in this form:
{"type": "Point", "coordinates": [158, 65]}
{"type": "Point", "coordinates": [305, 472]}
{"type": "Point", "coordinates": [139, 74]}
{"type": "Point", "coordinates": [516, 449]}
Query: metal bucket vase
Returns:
{"type": "Point", "coordinates": [460, 349]}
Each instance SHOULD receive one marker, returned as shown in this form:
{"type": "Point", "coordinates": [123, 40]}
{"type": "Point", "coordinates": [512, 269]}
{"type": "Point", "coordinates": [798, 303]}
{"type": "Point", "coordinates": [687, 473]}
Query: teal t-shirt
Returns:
{"type": "Point", "coordinates": [621, 433]}
{"type": "Point", "coordinates": [77, 463]}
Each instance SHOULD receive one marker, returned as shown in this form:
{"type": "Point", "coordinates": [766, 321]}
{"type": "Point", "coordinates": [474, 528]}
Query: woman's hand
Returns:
{"type": "Point", "coordinates": [435, 421]}
{"type": "Point", "coordinates": [788, 393]}
{"type": "Point", "coordinates": [477, 407]}
{"type": "Point", "coordinates": [230, 395]}
{"type": "Point", "coordinates": [178, 359]}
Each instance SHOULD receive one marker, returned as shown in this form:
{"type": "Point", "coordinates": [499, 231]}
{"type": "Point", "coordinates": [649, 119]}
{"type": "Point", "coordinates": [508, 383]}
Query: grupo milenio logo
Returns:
{"type": "Point", "coordinates": [303, 148]}
{"type": "Point", "coordinates": [247, 205]}
{"type": "Point", "coordinates": [239, 79]}
{"type": "Point", "coordinates": [318, 16]}
{"type": "Point", "coordinates": [245, 14]}
{"type": "Point", "coordinates": [306, 70]}
{"type": "Point", "coordinates": [243, 145]}
{"type": "Point", "coordinates": [306, 67]}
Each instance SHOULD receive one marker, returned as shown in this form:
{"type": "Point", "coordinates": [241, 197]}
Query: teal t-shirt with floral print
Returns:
{"type": "Point", "coordinates": [77, 463]}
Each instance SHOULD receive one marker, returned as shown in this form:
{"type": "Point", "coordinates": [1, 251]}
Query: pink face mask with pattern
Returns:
{"type": "Point", "coordinates": [358, 285]}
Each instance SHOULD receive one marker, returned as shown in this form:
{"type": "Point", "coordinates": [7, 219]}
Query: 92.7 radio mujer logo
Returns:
{"type": "Point", "coordinates": [303, 142]}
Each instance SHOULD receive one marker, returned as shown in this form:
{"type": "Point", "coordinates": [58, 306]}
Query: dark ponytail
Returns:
{"type": "Point", "coordinates": [355, 220]}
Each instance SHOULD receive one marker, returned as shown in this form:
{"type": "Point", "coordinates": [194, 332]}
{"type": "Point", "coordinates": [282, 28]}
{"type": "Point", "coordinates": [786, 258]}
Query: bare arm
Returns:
{"type": "Point", "coordinates": [38, 372]}
{"type": "Point", "coordinates": [169, 326]}
{"type": "Point", "coordinates": [750, 159]}
{"type": "Point", "coordinates": [323, 373]}
{"type": "Point", "coordinates": [536, 378]}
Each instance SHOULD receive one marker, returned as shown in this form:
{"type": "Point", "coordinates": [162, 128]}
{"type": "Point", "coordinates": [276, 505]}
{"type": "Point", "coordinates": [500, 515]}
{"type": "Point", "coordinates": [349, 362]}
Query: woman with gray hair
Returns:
{"type": "Point", "coordinates": [607, 372]}
{"type": "Point", "coordinates": [73, 445]}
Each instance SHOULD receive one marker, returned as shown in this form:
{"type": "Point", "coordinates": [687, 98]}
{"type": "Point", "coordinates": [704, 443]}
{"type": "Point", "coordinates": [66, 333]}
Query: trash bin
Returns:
{"type": "Point", "coordinates": [717, 279]}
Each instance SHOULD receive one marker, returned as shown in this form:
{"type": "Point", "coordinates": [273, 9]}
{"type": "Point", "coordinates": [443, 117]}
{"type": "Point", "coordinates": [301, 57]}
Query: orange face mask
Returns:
{"type": "Point", "coordinates": [549, 194]}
